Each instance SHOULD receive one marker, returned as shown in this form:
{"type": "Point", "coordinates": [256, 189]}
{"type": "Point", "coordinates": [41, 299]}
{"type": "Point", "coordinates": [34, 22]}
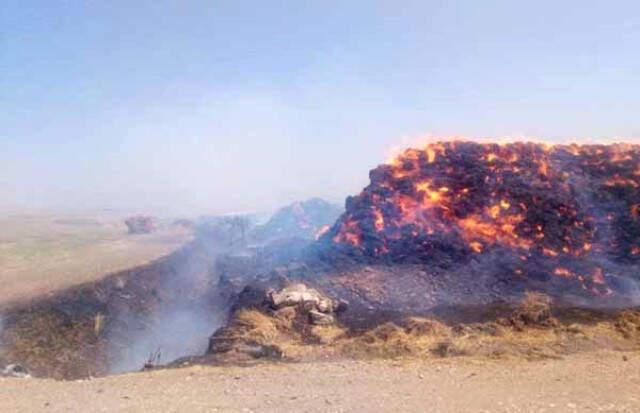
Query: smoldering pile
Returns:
{"type": "Point", "coordinates": [299, 220]}
{"type": "Point", "coordinates": [566, 213]}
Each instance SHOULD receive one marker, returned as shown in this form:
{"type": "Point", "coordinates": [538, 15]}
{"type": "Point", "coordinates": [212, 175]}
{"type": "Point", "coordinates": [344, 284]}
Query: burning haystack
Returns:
{"type": "Point", "coordinates": [536, 212]}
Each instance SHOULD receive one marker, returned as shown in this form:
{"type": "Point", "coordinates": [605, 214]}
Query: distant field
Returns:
{"type": "Point", "coordinates": [43, 253]}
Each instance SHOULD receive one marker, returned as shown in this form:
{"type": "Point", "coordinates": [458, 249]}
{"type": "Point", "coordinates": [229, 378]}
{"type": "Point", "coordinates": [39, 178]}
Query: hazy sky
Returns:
{"type": "Point", "coordinates": [211, 106]}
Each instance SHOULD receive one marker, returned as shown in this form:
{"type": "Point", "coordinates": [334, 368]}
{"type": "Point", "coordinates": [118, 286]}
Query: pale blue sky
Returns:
{"type": "Point", "coordinates": [210, 106]}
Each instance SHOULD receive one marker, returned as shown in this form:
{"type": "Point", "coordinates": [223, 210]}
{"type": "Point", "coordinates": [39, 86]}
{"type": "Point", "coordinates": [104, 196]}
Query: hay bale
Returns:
{"type": "Point", "coordinates": [534, 311]}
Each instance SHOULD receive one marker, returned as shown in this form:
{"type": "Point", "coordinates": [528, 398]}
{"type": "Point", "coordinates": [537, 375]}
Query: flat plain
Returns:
{"type": "Point", "coordinates": [41, 253]}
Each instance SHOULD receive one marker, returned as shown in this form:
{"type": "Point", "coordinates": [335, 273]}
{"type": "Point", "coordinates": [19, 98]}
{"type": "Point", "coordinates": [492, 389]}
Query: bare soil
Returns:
{"type": "Point", "coordinates": [586, 382]}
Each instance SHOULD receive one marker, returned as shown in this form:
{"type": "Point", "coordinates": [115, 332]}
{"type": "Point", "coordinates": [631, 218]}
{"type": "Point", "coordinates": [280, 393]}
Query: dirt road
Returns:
{"type": "Point", "coordinates": [591, 382]}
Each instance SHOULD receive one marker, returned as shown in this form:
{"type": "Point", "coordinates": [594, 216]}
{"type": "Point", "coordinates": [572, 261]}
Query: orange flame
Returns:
{"type": "Point", "coordinates": [323, 230]}
{"type": "Point", "coordinates": [440, 189]}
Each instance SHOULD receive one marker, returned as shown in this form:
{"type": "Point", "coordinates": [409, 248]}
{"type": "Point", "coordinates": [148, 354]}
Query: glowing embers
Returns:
{"type": "Point", "coordinates": [489, 229]}
{"type": "Point", "coordinates": [498, 225]}
{"type": "Point", "coordinates": [442, 189]}
{"type": "Point", "coordinates": [349, 233]}
{"type": "Point", "coordinates": [563, 272]}
{"type": "Point", "coordinates": [431, 195]}
{"type": "Point", "coordinates": [323, 230]}
{"type": "Point", "coordinates": [618, 180]}
{"type": "Point", "coordinates": [379, 220]}
{"type": "Point", "coordinates": [592, 280]}
{"type": "Point", "coordinates": [457, 202]}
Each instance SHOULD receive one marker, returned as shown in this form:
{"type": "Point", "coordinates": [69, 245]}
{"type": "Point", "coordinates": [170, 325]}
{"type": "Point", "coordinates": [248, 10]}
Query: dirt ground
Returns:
{"type": "Point", "coordinates": [41, 253]}
{"type": "Point", "coordinates": [587, 382]}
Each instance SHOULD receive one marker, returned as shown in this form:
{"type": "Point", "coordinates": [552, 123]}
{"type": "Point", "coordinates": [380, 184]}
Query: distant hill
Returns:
{"type": "Point", "coordinates": [300, 219]}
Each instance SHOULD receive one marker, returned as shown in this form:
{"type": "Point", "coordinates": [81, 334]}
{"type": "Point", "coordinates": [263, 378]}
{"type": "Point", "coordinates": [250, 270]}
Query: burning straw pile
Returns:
{"type": "Point", "coordinates": [566, 212]}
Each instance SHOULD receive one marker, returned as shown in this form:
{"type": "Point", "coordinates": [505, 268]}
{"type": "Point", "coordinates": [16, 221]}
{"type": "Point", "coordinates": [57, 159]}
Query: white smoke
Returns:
{"type": "Point", "coordinates": [175, 333]}
{"type": "Point", "coordinates": [1, 333]}
{"type": "Point", "coordinates": [178, 325]}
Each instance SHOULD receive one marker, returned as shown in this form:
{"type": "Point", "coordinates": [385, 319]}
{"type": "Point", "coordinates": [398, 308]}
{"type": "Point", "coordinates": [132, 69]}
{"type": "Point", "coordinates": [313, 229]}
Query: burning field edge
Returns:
{"type": "Point", "coordinates": [82, 332]}
{"type": "Point", "coordinates": [457, 249]}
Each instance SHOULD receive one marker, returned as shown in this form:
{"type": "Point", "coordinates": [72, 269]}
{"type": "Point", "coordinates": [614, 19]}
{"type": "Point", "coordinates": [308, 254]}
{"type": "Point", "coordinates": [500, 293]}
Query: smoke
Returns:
{"type": "Point", "coordinates": [1, 336]}
{"type": "Point", "coordinates": [185, 309]}
{"type": "Point", "coordinates": [176, 332]}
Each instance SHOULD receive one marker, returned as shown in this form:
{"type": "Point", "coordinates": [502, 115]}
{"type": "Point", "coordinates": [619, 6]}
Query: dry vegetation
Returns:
{"type": "Point", "coordinates": [533, 330]}
{"type": "Point", "coordinates": [43, 253]}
